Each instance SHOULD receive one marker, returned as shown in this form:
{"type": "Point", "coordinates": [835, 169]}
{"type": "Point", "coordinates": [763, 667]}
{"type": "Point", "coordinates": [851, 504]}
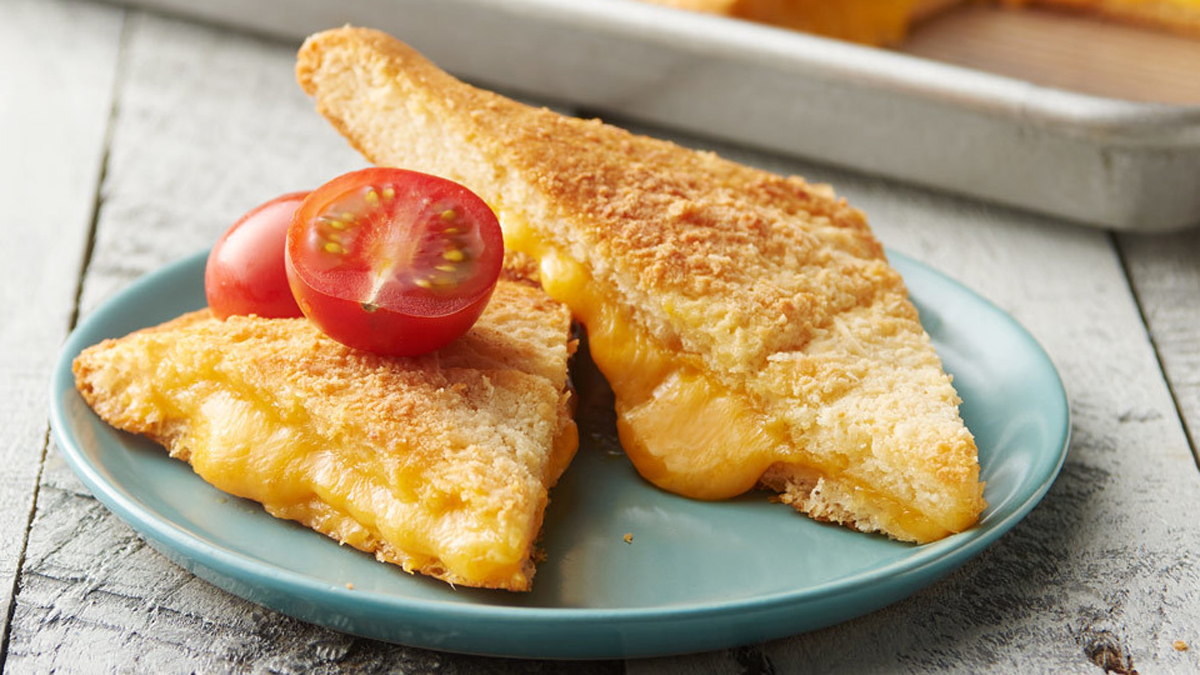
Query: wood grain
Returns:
{"type": "Point", "coordinates": [208, 125]}
{"type": "Point", "coordinates": [97, 599]}
{"type": "Point", "coordinates": [1107, 563]}
{"type": "Point", "coordinates": [1102, 575]}
{"type": "Point", "coordinates": [1165, 273]}
{"type": "Point", "coordinates": [54, 110]}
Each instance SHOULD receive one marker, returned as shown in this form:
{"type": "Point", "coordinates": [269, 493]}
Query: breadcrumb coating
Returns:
{"type": "Point", "coordinates": [439, 463]}
{"type": "Point", "coordinates": [774, 287]}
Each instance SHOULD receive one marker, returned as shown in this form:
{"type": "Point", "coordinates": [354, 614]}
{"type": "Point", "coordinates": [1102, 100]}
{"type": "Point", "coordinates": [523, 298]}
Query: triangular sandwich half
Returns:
{"type": "Point", "coordinates": [440, 463]}
{"type": "Point", "coordinates": [749, 324]}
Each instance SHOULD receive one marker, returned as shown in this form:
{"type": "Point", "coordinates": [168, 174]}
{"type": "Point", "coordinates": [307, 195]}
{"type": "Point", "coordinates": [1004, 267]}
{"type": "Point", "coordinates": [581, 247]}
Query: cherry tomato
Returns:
{"type": "Point", "coordinates": [393, 261]}
{"type": "Point", "coordinates": [245, 273]}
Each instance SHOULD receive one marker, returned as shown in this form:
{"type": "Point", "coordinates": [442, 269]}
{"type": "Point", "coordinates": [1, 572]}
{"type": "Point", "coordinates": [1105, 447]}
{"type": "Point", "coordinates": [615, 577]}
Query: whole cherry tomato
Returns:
{"type": "Point", "coordinates": [245, 273]}
{"type": "Point", "coordinates": [393, 261]}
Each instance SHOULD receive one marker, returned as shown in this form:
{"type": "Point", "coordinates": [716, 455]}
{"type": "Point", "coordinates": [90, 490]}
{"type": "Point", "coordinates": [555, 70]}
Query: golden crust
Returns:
{"type": "Point", "coordinates": [775, 287]}
{"type": "Point", "coordinates": [475, 429]}
{"type": "Point", "coordinates": [520, 267]}
{"type": "Point", "coordinates": [692, 241]}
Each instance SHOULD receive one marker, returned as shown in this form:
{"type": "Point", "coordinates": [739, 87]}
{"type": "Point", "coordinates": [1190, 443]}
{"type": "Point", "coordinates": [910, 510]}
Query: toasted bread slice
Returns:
{"type": "Point", "coordinates": [440, 464]}
{"type": "Point", "coordinates": [749, 324]}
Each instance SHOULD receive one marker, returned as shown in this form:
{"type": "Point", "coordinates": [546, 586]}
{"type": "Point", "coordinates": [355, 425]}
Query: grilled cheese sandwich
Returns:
{"type": "Point", "coordinates": [749, 324]}
{"type": "Point", "coordinates": [440, 463]}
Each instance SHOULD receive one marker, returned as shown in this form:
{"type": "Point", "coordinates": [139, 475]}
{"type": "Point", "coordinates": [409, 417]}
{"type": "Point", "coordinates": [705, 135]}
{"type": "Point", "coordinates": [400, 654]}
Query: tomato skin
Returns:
{"type": "Point", "coordinates": [392, 261]}
{"type": "Point", "coordinates": [245, 273]}
{"type": "Point", "coordinates": [382, 331]}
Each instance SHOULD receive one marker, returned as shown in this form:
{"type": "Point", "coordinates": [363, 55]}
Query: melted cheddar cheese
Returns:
{"type": "Point", "coordinates": [684, 431]}
{"type": "Point", "coordinates": [661, 399]}
{"type": "Point", "coordinates": [241, 445]}
{"type": "Point", "coordinates": [440, 464]}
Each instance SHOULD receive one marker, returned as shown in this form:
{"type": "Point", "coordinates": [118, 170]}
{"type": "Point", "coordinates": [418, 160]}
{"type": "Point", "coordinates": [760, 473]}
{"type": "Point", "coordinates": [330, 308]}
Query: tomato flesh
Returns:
{"type": "Point", "coordinates": [245, 272]}
{"type": "Point", "coordinates": [393, 261]}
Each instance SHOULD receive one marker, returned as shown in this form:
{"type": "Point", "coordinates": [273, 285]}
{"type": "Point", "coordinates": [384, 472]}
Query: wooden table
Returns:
{"type": "Point", "coordinates": [128, 140]}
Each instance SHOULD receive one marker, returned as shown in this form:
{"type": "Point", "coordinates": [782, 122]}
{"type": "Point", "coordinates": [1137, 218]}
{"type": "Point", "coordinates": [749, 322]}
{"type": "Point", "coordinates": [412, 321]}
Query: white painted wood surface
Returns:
{"type": "Point", "coordinates": [54, 110]}
{"type": "Point", "coordinates": [1111, 557]}
{"type": "Point", "coordinates": [208, 123]}
{"type": "Point", "coordinates": [1165, 272]}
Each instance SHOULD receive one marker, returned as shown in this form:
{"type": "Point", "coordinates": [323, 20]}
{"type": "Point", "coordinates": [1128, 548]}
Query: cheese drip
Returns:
{"type": "Point", "coordinates": [685, 432]}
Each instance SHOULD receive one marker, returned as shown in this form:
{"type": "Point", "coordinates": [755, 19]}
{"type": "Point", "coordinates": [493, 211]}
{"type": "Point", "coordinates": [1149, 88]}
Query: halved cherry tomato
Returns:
{"type": "Point", "coordinates": [245, 273]}
{"type": "Point", "coordinates": [393, 261]}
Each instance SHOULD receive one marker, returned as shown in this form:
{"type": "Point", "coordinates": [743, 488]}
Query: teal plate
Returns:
{"type": "Point", "coordinates": [697, 575]}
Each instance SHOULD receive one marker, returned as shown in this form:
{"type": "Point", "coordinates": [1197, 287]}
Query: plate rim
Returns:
{"type": "Point", "coordinates": [947, 553]}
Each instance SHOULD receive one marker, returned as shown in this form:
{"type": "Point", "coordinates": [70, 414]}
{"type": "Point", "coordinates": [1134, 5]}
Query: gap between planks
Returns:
{"type": "Point", "coordinates": [89, 246]}
{"type": "Point", "coordinates": [1158, 356]}
{"type": "Point", "coordinates": [16, 581]}
{"type": "Point", "coordinates": [84, 263]}
{"type": "Point", "coordinates": [748, 656]}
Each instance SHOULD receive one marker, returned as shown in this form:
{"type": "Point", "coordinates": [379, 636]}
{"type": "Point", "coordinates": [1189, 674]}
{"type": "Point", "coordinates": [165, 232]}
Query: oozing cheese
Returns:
{"type": "Point", "coordinates": [348, 494]}
{"type": "Point", "coordinates": [339, 493]}
{"type": "Point", "coordinates": [684, 431]}
{"type": "Point", "coordinates": [268, 411]}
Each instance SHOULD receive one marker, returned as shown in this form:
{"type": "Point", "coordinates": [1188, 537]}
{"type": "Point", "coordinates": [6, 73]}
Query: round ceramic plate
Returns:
{"type": "Point", "coordinates": [696, 576]}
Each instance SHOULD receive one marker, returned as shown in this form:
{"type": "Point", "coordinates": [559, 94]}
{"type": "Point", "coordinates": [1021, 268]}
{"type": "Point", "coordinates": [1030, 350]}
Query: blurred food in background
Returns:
{"type": "Point", "coordinates": [886, 22]}
{"type": "Point", "coordinates": [875, 22]}
{"type": "Point", "coordinates": [1136, 50]}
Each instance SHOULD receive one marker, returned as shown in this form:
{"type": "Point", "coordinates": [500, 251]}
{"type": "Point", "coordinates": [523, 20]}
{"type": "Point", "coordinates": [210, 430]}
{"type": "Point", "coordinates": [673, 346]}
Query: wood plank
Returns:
{"type": "Point", "coordinates": [1106, 563]}
{"type": "Point", "coordinates": [1094, 567]}
{"type": "Point", "coordinates": [1165, 273]}
{"type": "Point", "coordinates": [209, 124]}
{"type": "Point", "coordinates": [96, 598]}
{"type": "Point", "coordinates": [55, 99]}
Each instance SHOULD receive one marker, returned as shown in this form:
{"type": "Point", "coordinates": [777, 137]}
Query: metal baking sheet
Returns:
{"type": "Point", "coordinates": [1100, 161]}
